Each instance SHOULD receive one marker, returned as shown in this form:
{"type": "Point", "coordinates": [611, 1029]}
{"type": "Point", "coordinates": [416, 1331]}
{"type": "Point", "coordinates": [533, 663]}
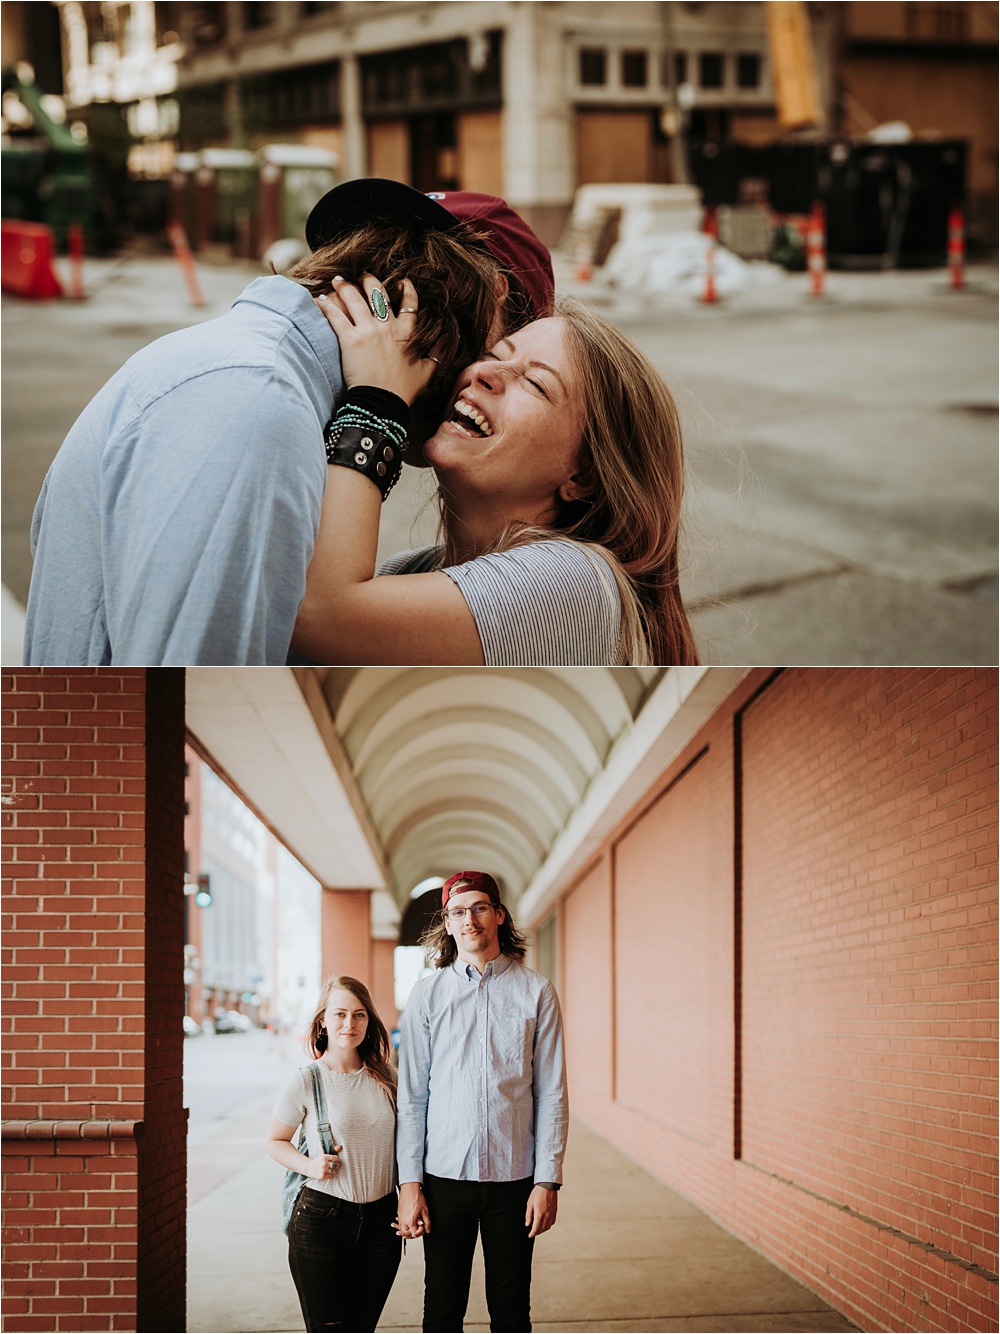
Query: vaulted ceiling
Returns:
{"type": "Point", "coordinates": [382, 777]}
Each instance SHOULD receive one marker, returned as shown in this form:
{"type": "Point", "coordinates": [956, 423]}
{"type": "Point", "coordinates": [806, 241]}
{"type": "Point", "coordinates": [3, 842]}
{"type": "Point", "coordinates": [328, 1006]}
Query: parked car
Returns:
{"type": "Point", "coordinates": [231, 1021]}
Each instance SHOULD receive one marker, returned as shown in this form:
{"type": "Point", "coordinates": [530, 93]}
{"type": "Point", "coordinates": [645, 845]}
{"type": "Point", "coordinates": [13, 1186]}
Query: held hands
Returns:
{"type": "Point", "coordinates": [413, 1218]}
{"type": "Point", "coordinates": [326, 1166]}
{"type": "Point", "coordinates": [373, 350]}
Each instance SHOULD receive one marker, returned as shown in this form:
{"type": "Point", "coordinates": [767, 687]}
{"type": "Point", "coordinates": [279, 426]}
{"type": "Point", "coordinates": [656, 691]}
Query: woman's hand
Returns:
{"type": "Point", "coordinates": [374, 351]}
{"type": "Point", "coordinates": [326, 1166]}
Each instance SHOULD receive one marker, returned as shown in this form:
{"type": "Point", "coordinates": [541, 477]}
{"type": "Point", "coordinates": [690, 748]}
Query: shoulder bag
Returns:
{"type": "Point", "coordinates": [294, 1180]}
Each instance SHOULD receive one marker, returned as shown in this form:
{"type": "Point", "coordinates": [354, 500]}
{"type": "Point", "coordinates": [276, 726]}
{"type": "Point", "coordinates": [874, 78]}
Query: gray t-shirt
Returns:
{"type": "Point", "coordinates": [361, 1119]}
{"type": "Point", "coordinates": [544, 604]}
{"type": "Point", "coordinates": [178, 518]}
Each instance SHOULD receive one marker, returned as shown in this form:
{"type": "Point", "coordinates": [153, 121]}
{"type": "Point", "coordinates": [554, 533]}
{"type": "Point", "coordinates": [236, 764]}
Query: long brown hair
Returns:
{"type": "Point", "coordinates": [632, 454]}
{"type": "Point", "coordinates": [373, 1050]}
{"type": "Point", "coordinates": [463, 296]}
{"type": "Point", "coordinates": [441, 949]}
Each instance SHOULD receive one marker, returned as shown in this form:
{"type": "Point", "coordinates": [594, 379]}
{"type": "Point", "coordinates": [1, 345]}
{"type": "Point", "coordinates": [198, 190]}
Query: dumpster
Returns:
{"type": "Point", "coordinates": [292, 178]}
{"type": "Point", "coordinates": [227, 180]}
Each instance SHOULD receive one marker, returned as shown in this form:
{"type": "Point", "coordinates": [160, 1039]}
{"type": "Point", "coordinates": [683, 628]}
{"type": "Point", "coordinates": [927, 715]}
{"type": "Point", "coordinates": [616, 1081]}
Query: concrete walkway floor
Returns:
{"type": "Point", "coordinates": [627, 1253]}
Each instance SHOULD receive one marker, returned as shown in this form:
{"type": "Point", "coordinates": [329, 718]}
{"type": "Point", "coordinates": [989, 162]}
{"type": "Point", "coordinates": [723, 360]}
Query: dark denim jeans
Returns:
{"type": "Point", "coordinates": [343, 1259]}
{"type": "Point", "coordinates": [459, 1211]}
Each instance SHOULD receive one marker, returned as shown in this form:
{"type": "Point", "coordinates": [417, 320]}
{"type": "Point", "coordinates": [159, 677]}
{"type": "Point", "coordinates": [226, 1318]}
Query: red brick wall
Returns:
{"type": "Point", "coordinates": [93, 997]}
{"type": "Point", "coordinates": [803, 915]}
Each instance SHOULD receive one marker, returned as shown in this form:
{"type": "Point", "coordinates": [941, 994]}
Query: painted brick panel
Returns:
{"type": "Point", "coordinates": [863, 1047]}
{"type": "Point", "coordinates": [587, 994]}
{"type": "Point", "coordinates": [673, 934]}
{"type": "Point", "coordinates": [851, 889]}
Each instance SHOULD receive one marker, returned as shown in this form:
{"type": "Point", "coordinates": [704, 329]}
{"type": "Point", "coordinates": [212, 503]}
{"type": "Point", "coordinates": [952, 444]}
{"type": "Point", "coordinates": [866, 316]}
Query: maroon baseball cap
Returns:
{"type": "Point", "coordinates": [464, 881]}
{"type": "Point", "coordinates": [505, 234]}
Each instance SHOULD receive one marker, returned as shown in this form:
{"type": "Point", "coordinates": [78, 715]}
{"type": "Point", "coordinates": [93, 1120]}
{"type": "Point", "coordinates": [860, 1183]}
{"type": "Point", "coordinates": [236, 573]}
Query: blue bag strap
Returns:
{"type": "Point", "coordinates": [319, 1097]}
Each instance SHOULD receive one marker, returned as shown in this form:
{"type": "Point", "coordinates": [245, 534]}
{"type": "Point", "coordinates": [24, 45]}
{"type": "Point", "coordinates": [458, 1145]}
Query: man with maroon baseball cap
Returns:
{"type": "Point", "coordinates": [522, 257]}
{"type": "Point", "coordinates": [218, 431]}
{"type": "Point", "coordinates": [482, 1120]}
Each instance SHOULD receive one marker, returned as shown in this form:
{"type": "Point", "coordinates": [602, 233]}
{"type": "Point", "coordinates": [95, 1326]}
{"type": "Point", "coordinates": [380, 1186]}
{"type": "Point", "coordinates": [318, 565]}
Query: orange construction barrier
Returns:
{"type": "Point", "coordinates": [26, 260]}
{"type": "Point", "coordinates": [182, 253]}
{"type": "Point", "coordinates": [956, 248]}
{"type": "Point", "coordinates": [710, 294]}
{"type": "Point", "coordinates": [816, 249]}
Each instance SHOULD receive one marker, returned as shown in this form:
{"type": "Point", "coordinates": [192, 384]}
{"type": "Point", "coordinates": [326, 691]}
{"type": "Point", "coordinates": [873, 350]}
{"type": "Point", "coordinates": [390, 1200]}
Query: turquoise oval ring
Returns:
{"type": "Point", "coordinates": [379, 305]}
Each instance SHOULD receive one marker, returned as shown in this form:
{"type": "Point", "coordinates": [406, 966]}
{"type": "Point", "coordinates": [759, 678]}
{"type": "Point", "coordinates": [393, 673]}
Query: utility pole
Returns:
{"type": "Point", "coordinates": [673, 115]}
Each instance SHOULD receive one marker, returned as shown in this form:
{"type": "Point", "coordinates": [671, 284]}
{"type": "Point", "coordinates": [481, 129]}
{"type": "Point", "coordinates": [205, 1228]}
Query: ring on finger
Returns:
{"type": "Point", "coordinates": [407, 310]}
{"type": "Point", "coordinates": [379, 305]}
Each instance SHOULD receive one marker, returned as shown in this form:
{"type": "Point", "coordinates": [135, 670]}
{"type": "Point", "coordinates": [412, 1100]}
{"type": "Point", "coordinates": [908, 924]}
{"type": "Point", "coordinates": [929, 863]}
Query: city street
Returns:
{"type": "Point", "coordinates": [842, 450]}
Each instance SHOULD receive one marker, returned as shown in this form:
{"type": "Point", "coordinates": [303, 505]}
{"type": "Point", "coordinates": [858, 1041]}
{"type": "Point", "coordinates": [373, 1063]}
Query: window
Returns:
{"type": "Point", "coordinates": [207, 24]}
{"type": "Point", "coordinates": [680, 67]}
{"type": "Point", "coordinates": [593, 66]}
{"type": "Point", "coordinates": [710, 69]}
{"type": "Point", "coordinates": [634, 69]}
{"type": "Point", "coordinates": [747, 70]}
{"type": "Point", "coordinates": [258, 15]}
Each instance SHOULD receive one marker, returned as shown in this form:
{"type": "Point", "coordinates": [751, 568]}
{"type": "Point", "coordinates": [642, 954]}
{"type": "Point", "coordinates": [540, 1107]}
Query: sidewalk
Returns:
{"type": "Point", "coordinates": [626, 1254]}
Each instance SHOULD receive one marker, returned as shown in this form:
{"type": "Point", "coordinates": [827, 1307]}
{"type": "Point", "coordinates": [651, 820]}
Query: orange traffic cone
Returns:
{"type": "Point", "coordinates": [710, 295]}
{"type": "Point", "coordinates": [816, 249]}
{"type": "Point", "coordinates": [182, 253]}
{"type": "Point", "coordinates": [584, 270]}
{"type": "Point", "coordinates": [956, 248]}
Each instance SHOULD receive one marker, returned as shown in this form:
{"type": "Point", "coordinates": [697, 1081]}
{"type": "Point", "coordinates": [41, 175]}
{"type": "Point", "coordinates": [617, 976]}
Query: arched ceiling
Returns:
{"type": "Point", "coordinates": [473, 767]}
{"type": "Point", "coordinates": [382, 777]}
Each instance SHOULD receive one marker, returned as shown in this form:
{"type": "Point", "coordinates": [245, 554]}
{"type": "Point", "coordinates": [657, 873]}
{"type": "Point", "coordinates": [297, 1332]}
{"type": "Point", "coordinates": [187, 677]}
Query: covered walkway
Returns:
{"type": "Point", "coordinates": [627, 1253]}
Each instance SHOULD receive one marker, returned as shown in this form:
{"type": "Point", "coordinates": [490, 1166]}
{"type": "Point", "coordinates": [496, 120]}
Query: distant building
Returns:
{"type": "Point", "coordinates": [254, 946]}
{"type": "Point", "coordinates": [527, 100]}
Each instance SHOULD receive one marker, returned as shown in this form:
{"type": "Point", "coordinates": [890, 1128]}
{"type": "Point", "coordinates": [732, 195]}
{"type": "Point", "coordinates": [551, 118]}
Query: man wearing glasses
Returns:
{"type": "Point", "coordinates": [482, 1108]}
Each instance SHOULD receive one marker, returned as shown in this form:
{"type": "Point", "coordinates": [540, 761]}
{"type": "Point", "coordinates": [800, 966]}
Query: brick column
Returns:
{"type": "Point", "coordinates": [346, 934]}
{"type": "Point", "coordinates": [383, 986]}
{"type": "Point", "coordinates": [94, 1125]}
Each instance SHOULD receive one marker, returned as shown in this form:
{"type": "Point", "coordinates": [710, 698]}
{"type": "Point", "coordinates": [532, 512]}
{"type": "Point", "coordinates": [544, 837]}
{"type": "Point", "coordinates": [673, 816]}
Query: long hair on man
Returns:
{"type": "Point", "coordinates": [442, 951]}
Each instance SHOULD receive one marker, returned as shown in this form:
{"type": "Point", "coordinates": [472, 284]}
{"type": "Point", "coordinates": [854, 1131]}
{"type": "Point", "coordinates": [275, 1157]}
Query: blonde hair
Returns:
{"type": "Point", "coordinates": [632, 455]}
{"type": "Point", "coordinates": [373, 1050]}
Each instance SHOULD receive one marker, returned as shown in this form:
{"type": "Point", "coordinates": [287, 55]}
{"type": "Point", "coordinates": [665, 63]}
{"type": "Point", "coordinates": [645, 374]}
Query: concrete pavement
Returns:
{"type": "Point", "coordinates": [842, 452]}
{"type": "Point", "coordinates": [627, 1253]}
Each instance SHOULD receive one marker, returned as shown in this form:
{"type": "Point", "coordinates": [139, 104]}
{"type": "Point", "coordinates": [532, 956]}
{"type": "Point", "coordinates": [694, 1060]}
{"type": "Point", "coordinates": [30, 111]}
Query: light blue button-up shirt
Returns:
{"type": "Point", "coordinates": [482, 1076]}
{"type": "Point", "coordinates": [177, 520]}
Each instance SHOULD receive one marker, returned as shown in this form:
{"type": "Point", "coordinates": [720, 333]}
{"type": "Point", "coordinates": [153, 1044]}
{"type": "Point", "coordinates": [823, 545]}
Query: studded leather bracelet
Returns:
{"type": "Point", "coordinates": [368, 442]}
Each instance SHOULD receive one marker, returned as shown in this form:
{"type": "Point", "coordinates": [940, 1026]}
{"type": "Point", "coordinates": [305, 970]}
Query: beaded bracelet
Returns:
{"type": "Point", "coordinates": [373, 445]}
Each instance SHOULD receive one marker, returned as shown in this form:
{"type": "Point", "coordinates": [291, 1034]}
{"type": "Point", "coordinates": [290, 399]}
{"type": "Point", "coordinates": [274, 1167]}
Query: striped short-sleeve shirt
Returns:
{"type": "Point", "coordinates": [544, 604]}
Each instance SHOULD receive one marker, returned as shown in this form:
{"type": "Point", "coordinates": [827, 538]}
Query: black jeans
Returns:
{"type": "Point", "coordinates": [459, 1210]}
{"type": "Point", "coordinates": [343, 1259]}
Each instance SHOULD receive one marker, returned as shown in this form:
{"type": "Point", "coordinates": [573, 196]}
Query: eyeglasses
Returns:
{"type": "Point", "coordinates": [476, 911]}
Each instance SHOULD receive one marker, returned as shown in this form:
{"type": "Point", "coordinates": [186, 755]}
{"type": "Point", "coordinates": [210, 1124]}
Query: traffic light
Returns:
{"type": "Point", "coordinates": [203, 894]}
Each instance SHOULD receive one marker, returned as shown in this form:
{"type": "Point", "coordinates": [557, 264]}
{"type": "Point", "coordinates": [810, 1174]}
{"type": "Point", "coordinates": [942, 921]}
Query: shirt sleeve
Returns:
{"type": "Point", "coordinates": [545, 604]}
{"type": "Point", "coordinates": [549, 1089]}
{"type": "Point", "coordinates": [290, 1106]}
{"type": "Point", "coordinates": [413, 1090]}
{"type": "Point", "coordinates": [207, 534]}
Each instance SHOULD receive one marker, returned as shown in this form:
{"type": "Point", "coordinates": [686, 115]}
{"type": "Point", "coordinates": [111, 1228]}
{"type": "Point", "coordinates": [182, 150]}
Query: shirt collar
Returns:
{"type": "Point", "coordinates": [289, 298]}
{"type": "Point", "coordinates": [493, 969]}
